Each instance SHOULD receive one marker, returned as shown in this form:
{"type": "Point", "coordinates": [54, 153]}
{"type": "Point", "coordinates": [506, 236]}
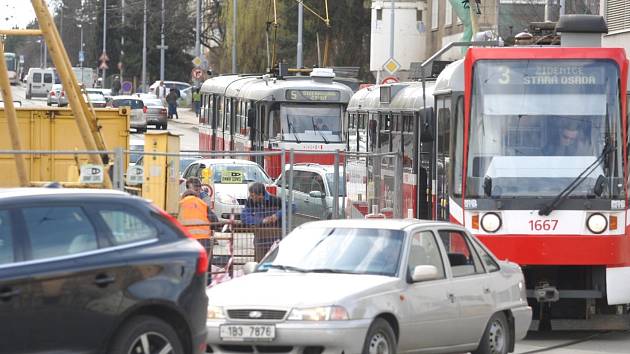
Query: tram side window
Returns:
{"type": "Point", "coordinates": [372, 126]}
{"type": "Point", "coordinates": [210, 110]}
{"type": "Point", "coordinates": [457, 147]}
{"type": "Point", "coordinates": [408, 134]}
{"type": "Point", "coordinates": [220, 111]}
{"type": "Point", "coordinates": [444, 127]}
{"type": "Point", "coordinates": [384, 138]}
{"type": "Point", "coordinates": [275, 129]}
{"type": "Point", "coordinates": [352, 132]}
{"type": "Point", "coordinates": [228, 114]}
{"type": "Point", "coordinates": [362, 140]}
{"type": "Point", "coordinates": [395, 137]}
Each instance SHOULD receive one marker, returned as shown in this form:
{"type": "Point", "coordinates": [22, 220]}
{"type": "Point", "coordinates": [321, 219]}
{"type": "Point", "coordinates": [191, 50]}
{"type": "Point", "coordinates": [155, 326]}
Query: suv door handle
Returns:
{"type": "Point", "coordinates": [451, 297]}
{"type": "Point", "coordinates": [103, 280]}
{"type": "Point", "coordinates": [8, 293]}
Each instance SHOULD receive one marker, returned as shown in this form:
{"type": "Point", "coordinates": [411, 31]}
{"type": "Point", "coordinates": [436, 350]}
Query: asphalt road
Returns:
{"type": "Point", "coordinates": [569, 342]}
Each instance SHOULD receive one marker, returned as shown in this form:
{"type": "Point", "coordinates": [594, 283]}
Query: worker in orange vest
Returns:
{"type": "Point", "coordinates": [194, 214]}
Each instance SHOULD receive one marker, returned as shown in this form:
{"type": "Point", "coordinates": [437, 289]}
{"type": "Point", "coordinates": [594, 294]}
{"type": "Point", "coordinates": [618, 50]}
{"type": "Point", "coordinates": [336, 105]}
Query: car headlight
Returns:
{"type": "Point", "coordinates": [491, 222]}
{"type": "Point", "coordinates": [226, 199]}
{"type": "Point", "coordinates": [326, 313]}
{"type": "Point", "coordinates": [597, 223]}
{"type": "Point", "coordinates": [215, 313]}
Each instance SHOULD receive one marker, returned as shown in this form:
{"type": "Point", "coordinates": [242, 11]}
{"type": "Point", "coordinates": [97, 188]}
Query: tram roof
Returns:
{"type": "Point", "coordinates": [271, 89]}
{"type": "Point", "coordinates": [451, 79]}
{"type": "Point", "coordinates": [406, 96]}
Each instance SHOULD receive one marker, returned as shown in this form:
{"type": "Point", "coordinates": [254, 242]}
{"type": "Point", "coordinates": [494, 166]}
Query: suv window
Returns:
{"type": "Point", "coordinates": [6, 239]}
{"type": "Point", "coordinates": [462, 259]}
{"type": "Point", "coordinates": [57, 231]}
{"type": "Point", "coordinates": [424, 250]}
{"type": "Point", "coordinates": [37, 78]}
{"type": "Point", "coordinates": [126, 227]}
{"type": "Point", "coordinates": [48, 78]}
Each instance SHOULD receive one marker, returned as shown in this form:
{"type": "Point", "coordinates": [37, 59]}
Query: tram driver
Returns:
{"type": "Point", "coordinates": [570, 141]}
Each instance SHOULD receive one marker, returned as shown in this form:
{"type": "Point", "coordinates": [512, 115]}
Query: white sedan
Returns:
{"type": "Point", "coordinates": [372, 286]}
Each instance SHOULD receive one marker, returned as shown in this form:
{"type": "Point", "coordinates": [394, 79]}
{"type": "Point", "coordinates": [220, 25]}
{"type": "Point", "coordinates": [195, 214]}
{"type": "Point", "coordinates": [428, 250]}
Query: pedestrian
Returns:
{"type": "Point", "coordinates": [196, 99]}
{"type": "Point", "coordinates": [263, 211]}
{"type": "Point", "coordinates": [193, 214]}
{"type": "Point", "coordinates": [160, 91]}
{"type": "Point", "coordinates": [171, 99]}
{"type": "Point", "coordinates": [194, 184]}
{"type": "Point", "coordinates": [116, 86]}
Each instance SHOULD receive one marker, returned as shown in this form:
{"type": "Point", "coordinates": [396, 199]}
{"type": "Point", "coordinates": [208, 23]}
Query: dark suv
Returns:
{"type": "Point", "coordinates": [88, 271]}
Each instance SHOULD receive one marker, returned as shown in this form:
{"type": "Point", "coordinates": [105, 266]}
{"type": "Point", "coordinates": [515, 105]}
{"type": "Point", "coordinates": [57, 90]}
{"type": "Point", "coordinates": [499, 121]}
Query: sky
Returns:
{"type": "Point", "coordinates": [16, 12]}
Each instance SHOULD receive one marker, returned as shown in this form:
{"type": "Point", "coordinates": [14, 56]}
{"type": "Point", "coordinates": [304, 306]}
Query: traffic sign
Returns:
{"type": "Point", "coordinates": [197, 73]}
{"type": "Point", "coordinates": [391, 66]}
{"type": "Point", "coordinates": [389, 80]}
{"type": "Point", "coordinates": [197, 61]}
{"type": "Point", "coordinates": [103, 57]}
{"type": "Point", "coordinates": [103, 66]}
{"type": "Point", "coordinates": [126, 86]}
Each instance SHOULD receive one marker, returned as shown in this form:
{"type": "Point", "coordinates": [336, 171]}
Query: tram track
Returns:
{"type": "Point", "coordinates": [570, 343]}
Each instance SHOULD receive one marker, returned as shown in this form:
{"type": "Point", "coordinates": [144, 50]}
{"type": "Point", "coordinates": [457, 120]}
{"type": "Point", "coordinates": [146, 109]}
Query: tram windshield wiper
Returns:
{"type": "Point", "coordinates": [292, 130]}
{"type": "Point", "coordinates": [317, 130]}
{"type": "Point", "coordinates": [562, 196]}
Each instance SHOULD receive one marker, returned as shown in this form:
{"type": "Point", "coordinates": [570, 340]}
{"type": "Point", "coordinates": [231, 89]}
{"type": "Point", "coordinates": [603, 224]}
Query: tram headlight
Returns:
{"type": "Point", "coordinates": [597, 223]}
{"type": "Point", "coordinates": [491, 222]}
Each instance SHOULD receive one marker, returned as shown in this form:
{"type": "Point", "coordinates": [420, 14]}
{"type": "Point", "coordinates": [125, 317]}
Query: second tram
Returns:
{"type": "Point", "coordinates": [264, 113]}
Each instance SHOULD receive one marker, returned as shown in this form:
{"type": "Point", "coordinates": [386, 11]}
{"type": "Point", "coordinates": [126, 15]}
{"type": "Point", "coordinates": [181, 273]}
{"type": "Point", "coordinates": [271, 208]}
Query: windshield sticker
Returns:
{"type": "Point", "coordinates": [232, 177]}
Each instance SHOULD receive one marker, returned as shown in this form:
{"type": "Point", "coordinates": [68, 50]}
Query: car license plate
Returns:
{"type": "Point", "coordinates": [247, 332]}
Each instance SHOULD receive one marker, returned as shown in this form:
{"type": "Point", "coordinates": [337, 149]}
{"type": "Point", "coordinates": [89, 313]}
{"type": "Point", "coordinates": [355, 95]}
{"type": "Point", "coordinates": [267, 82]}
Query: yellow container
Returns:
{"type": "Point", "coordinates": [54, 129]}
{"type": "Point", "coordinates": [161, 173]}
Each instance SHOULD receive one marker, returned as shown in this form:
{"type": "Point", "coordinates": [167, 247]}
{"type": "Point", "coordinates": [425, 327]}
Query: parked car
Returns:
{"type": "Point", "coordinates": [97, 99]}
{"type": "Point", "coordinates": [314, 190]}
{"type": "Point", "coordinates": [97, 271]}
{"type": "Point", "coordinates": [156, 113]}
{"type": "Point", "coordinates": [230, 194]}
{"type": "Point", "coordinates": [181, 86]}
{"type": "Point", "coordinates": [57, 96]}
{"type": "Point", "coordinates": [372, 286]}
{"type": "Point", "coordinates": [107, 93]}
{"type": "Point", "coordinates": [138, 111]}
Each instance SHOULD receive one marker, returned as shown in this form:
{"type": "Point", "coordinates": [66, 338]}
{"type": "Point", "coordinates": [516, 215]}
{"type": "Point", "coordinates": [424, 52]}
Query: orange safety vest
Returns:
{"type": "Point", "coordinates": [193, 211]}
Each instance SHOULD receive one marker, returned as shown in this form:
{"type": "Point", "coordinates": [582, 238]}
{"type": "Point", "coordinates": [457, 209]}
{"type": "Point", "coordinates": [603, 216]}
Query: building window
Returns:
{"type": "Point", "coordinates": [379, 14]}
{"type": "Point", "coordinates": [448, 14]}
{"type": "Point", "coordinates": [434, 14]}
{"type": "Point", "coordinates": [419, 15]}
{"type": "Point", "coordinates": [618, 15]}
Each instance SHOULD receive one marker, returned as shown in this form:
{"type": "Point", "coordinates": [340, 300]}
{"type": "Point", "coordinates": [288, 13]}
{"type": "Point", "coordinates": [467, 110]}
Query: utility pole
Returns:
{"type": "Point", "coordinates": [144, 49]}
{"type": "Point", "coordinates": [198, 31]}
{"type": "Point", "coordinates": [234, 19]}
{"type": "Point", "coordinates": [162, 47]}
{"type": "Point", "coordinates": [122, 42]}
{"type": "Point", "coordinates": [300, 44]}
{"type": "Point", "coordinates": [104, 38]}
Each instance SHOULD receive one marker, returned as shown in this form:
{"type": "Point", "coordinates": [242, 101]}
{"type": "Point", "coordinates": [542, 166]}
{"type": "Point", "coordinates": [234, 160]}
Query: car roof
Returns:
{"type": "Point", "coordinates": [6, 193]}
{"type": "Point", "coordinates": [225, 162]}
{"type": "Point", "coordinates": [385, 224]}
{"type": "Point", "coordinates": [126, 98]}
{"type": "Point", "coordinates": [314, 167]}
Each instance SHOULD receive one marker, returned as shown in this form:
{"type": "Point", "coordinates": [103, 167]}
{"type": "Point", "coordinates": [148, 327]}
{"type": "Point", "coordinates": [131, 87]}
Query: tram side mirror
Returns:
{"type": "Point", "coordinates": [600, 185]}
{"type": "Point", "coordinates": [487, 186]}
{"type": "Point", "coordinates": [251, 118]}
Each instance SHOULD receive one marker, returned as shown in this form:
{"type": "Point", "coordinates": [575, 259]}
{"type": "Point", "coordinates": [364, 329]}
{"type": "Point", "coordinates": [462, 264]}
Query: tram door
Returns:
{"type": "Point", "coordinates": [423, 162]}
{"type": "Point", "coordinates": [442, 157]}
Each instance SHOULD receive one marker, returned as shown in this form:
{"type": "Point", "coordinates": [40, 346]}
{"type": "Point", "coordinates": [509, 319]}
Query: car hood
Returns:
{"type": "Point", "coordinates": [294, 289]}
{"type": "Point", "coordinates": [238, 191]}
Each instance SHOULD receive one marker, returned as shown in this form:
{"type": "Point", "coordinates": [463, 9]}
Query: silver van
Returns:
{"type": "Point", "coordinates": [39, 82]}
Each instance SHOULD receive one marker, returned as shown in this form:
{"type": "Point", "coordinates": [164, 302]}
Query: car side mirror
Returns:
{"type": "Point", "coordinates": [316, 194]}
{"type": "Point", "coordinates": [249, 267]}
{"type": "Point", "coordinates": [424, 273]}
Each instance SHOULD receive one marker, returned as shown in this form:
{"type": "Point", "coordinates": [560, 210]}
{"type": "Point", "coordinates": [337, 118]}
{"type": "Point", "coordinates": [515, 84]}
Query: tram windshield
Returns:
{"type": "Point", "coordinates": [537, 125]}
{"type": "Point", "coordinates": [311, 123]}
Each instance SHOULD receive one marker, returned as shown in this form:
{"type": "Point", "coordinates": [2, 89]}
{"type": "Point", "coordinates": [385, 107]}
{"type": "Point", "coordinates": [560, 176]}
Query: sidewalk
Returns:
{"type": "Point", "coordinates": [186, 116]}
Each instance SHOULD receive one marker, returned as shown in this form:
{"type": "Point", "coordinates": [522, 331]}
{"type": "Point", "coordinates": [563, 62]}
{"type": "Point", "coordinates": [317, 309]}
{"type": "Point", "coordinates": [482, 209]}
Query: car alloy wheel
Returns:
{"type": "Point", "coordinates": [379, 344]}
{"type": "Point", "coordinates": [150, 342]}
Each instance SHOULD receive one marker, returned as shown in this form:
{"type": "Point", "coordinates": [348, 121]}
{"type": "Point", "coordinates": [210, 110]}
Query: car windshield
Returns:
{"type": "Point", "coordinates": [338, 250]}
{"type": "Point", "coordinates": [134, 104]}
{"type": "Point", "coordinates": [330, 179]}
{"type": "Point", "coordinates": [239, 174]}
{"type": "Point", "coordinates": [96, 97]}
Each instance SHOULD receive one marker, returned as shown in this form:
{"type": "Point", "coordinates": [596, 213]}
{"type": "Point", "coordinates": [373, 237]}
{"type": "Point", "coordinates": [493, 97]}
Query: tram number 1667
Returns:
{"type": "Point", "coordinates": [542, 225]}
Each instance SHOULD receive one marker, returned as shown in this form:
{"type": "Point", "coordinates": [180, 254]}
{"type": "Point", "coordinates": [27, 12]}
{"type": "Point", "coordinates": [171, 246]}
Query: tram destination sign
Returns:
{"type": "Point", "coordinates": [313, 95]}
{"type": "Point", "coordinates": [542, 73]}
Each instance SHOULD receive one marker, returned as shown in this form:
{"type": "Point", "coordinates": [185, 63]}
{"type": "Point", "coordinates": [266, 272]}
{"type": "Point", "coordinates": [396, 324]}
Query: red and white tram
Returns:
{"type": "Point", "coordinates": [256, 113]}
{"type": "Point", "coordinates": [529, 152]}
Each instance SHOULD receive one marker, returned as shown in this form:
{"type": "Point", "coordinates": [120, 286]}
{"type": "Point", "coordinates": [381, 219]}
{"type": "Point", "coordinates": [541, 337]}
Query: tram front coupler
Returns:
{"type": "Point", "coordinates": [546, 293]}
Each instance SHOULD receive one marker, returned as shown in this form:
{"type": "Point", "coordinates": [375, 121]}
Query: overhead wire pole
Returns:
{"type": "Point", "coordinates": [14, 130]}
{"type": "Point", "coordinates": [234, 33]}
{"type": "Point", "coordinates": [86, 122]}
{"type": "Point", "coordinates": [122, 42]}
{"type": "Point", "coordinates": [300, 44]}
{"type": "Point", "coordinates": [104, 38]}
{"type": "Point", "coordinates": [144, 49]}
{"type": "Point", "coordinates": [162, 46]}
{"type": "Point", "coordinates": [198, 30]}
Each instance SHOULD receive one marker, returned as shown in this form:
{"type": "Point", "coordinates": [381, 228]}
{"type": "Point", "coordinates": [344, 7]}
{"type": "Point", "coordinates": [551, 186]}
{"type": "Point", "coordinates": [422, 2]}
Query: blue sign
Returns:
{"type": "Point", "coordinates": [127, 86]}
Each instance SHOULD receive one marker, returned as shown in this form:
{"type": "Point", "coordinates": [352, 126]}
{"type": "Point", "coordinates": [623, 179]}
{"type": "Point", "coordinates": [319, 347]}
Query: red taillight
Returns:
{"type": "Point", "coordinates": [202, 261]}
{"type": "Point", "coordinates": [163, 110]}
{"type": "Point", "coordinates": [63, 93]}
{"type": "Point", "coordinates": [272, 190]}
{"type": "Point", "coordinates": [52, 93]}
{"type": "Point", "coordinates": [144, 109]}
